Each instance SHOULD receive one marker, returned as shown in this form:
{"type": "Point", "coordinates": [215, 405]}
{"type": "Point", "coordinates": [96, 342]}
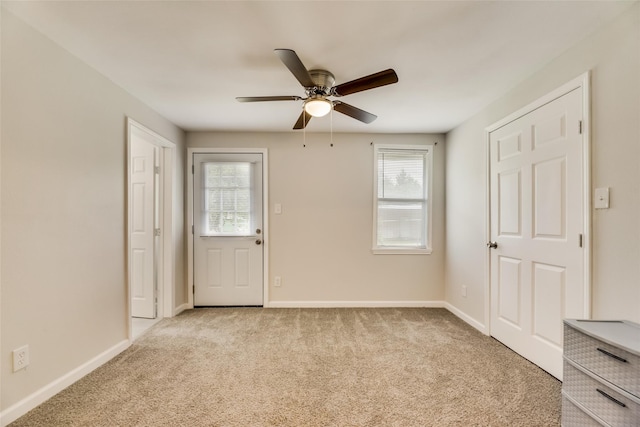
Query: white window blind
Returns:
{"type": "Point", "coordinates": [402, 199]}
{"type": "Point", "coordinates": [227, 187]}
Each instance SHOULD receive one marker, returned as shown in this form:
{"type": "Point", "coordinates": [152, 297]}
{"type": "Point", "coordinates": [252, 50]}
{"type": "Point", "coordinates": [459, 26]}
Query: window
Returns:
{"type": "Point", "coordinates": [227, 204]}
{"type": "Point", "coordinates": [402, 207]}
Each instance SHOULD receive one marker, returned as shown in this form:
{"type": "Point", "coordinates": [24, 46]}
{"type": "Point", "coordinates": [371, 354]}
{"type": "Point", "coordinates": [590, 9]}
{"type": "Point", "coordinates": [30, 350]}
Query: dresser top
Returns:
{"type": "Point", "coordinates": [620, 333]}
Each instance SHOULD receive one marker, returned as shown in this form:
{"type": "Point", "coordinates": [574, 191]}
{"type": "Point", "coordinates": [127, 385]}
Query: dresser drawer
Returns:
{"type": "Point", "coordinates": [611, 363]}
{"type": "Point", "coordinates": [611, 406]}
{"type": "Point", "coordinates": [572, 416]}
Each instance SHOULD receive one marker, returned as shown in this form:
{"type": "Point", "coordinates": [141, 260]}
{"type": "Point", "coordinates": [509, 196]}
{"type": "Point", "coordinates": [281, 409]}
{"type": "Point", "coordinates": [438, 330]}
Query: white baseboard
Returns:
{"type": "Point", "coordinates": [353, 304]}
{"type": "Point", "coordinates": [470, 320]}
{"type": "Point", "coordinates": [179, 309]}
{"type": "Point", "coordinates": [20, 408]}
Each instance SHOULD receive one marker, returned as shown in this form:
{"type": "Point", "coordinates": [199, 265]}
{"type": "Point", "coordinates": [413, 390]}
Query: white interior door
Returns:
{"type": "Point", "coordinates": [228, 249]}
{"type": "Point", "coordinates": [537, 222]}
{"type": "Point", "coordinates": [144, 217]}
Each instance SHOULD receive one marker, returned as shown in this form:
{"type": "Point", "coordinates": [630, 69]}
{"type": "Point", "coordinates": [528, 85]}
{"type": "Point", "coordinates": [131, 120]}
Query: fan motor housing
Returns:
{"type": "Point", "coordinates": [324, 81]}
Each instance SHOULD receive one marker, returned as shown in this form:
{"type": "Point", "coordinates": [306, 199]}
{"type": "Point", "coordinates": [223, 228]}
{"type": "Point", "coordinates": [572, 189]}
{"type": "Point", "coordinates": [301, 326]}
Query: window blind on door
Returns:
{"type": "Point", "coordinates": [227, 203]}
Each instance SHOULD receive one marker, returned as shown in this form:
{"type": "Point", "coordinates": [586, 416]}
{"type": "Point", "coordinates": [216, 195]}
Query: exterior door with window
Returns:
{"type": "Point", "coordinates": [228, 250]}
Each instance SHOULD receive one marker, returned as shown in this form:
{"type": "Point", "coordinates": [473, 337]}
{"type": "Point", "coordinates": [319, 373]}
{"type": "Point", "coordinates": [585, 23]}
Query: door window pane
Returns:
{"type": "Point", "coordinates": [227, 188]}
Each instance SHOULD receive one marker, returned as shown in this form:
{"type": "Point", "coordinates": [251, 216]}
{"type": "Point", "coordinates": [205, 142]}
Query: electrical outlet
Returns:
{"type": "Point", "coordinates": [277, 281]}
{"type": "Point", "coordinates": [464, 291]}
{"type": "Point", "coordinates": [20, 358]}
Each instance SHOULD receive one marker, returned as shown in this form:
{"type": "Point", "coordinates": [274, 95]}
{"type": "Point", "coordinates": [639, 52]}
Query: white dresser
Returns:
{"type": "Point", "coordinates": [601, 378]}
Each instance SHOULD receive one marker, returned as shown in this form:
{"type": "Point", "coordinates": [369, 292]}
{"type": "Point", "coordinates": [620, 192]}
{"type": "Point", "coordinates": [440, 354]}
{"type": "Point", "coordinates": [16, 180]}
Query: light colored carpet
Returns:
{"type": "Point", "coordinates": [309, 367]}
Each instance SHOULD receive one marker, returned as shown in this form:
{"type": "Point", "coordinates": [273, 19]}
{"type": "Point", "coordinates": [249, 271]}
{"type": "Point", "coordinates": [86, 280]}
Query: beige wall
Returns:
{"type": "Point", "coordinates": [613, 56]}
{"type": "Point", "coordinates": [321, 243]}
{"type": "Point", "coordinates": [63, 262]}
{"type": "Point", "coordinates": [63, 215]}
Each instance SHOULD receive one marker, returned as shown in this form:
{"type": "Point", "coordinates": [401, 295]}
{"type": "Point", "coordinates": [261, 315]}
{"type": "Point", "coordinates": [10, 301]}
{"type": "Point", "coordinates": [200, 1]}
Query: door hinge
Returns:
{"type": "Point", "coordinates": [193, 289]}
{"type": "Point", "coordinates": [193, 169]}
{"type": "Point", "coordinates": [192, 230]}
{"type": "Point", "coordinates": [156, 232]}
{"type": "Point", "coordinates": [580, 127]}
{"type": "Point", "coordinates": [580, 239]}
{"type": "Point", "coordinates": [156, 169]}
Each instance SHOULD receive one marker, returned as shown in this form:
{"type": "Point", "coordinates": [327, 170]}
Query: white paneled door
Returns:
{"type": "Point", "coordinates": [228, 237]}
{"type": "Point", "coordinates": [144, 197]}
{"type": "Point", "coordinates": [537, 226]}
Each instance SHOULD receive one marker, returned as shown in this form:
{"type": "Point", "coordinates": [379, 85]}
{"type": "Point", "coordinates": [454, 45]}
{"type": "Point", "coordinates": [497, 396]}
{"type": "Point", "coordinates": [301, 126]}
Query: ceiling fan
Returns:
{"type": "Point", "coordinates": [319, 86]}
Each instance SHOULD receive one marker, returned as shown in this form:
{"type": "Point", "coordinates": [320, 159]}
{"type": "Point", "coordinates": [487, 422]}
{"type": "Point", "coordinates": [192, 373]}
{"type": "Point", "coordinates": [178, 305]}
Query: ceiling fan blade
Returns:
{"type": "Point", "coordinates": [354, 112]}
{"type": "Point", "coordinates": [267, 98]}
{"type": "Point", "coordinates": [295, 65]}
{"type": "Point", "coordinates": [372, 81]}
{"type": "Point", "coordinates": [303, 120]}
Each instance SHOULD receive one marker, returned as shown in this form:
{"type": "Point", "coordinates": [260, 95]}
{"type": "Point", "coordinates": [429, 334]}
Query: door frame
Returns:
{"type": "Point", "coordinates": [265, 215]}
{"type": "Point", "coordinates": [582, 83]}
{"type": "Point", "coordinates": [166, 253]}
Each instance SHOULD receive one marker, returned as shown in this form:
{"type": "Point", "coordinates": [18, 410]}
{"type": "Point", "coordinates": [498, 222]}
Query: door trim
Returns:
{"type": "Point", "coordinates": [582, 83]}
{"type": "Point", "coordinates": [265, 215]}
{"type": "Point", "coordinates": [166, 255]}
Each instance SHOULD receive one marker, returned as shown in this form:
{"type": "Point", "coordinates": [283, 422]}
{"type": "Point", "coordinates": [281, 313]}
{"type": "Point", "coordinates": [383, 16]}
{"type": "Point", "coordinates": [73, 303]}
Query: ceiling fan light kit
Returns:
{"type": "Point", "coordinates": [317, 106]}
{"type": "Point", "coordinates": [319, 85]}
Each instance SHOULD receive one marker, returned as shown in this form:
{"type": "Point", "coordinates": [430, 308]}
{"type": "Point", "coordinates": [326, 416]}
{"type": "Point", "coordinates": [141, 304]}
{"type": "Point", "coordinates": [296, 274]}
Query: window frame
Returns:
{"type": "Point", "coordinates": [428, 175]}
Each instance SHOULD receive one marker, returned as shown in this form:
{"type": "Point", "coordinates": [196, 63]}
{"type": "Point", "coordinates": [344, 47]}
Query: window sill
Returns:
{"type": "Point", "coordinates": [401, 251]}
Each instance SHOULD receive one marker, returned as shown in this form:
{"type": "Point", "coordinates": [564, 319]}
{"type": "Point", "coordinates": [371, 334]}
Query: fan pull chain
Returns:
{"type": "Point", "coordinates": [304, 128]}
{"type": "Point", "coordinates": [331, 124]}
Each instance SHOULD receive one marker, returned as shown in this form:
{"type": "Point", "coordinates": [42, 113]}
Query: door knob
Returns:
{"type": "Point", "coordinates": [258, 242]}
{"type": "Point", "coordinates": [492, 245]}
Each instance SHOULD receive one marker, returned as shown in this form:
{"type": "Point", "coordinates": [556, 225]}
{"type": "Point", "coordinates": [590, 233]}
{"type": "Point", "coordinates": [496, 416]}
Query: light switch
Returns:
{"type": "Point", "coordinates": [277, 208]}
{"type": "Point", "coordinates": [601, 198]}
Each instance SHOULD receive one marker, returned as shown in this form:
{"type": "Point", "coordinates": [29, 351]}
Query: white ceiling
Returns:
{"type": "Point", "coordinates": [188, 60]}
